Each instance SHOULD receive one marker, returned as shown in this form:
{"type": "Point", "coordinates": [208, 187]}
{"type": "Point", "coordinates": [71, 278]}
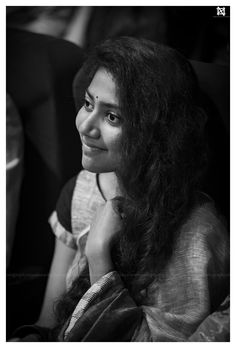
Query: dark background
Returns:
{"type": "Point", "coordinates": [196, 31]}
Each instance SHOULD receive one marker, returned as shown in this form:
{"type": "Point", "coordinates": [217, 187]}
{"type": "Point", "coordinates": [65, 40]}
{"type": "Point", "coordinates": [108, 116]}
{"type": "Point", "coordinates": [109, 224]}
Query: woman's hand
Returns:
{"type": "Point", "coordinates": [104, 228]}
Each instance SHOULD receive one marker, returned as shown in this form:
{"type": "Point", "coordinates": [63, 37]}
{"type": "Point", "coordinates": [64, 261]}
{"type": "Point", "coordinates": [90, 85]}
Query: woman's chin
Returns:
{"type": "Point", "coordinates": [99, 164]}
{"type": "Point", "coordinates": [89, 167]}
{"type": "Point", "coordinates": [92, 166]}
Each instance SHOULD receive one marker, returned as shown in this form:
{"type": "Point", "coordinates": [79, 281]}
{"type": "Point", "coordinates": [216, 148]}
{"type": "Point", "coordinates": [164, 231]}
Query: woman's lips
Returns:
{"type": "Point", "coordinates": [91, 148]}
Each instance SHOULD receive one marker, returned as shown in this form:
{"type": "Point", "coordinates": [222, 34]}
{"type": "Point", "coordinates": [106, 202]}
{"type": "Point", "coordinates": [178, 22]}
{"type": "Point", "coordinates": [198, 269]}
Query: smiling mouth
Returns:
{"type": "Point", "coordinates": [91, 149]}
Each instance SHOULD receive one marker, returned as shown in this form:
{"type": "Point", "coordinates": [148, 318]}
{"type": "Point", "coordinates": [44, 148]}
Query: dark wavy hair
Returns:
{"type": "Point", "coordinates": [163, 157]}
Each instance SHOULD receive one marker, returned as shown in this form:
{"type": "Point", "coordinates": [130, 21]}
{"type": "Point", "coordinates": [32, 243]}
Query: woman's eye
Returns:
{"type": "Point", "coordinates": [113, 119]}
{"type": "Point", "coordinates": [88, 106]}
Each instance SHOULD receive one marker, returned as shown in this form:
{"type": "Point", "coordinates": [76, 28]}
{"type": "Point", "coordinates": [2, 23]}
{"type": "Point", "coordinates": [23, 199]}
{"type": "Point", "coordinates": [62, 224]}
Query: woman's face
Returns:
{"type": "Point", "coordinates": [99, 124]}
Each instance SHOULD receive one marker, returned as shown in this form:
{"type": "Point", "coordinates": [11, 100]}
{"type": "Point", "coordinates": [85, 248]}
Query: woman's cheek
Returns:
{"type": "Point", "coordinates": [115, 142]}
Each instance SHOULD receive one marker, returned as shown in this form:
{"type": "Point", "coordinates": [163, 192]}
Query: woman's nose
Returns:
{"type": "Point", "coordinates": [88, 126]}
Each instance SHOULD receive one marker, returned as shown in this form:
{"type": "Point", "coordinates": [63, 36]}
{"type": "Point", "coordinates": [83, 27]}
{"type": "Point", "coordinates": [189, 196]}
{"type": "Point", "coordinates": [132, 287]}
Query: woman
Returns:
{"type": "Point", "coordinates": [143, 250]}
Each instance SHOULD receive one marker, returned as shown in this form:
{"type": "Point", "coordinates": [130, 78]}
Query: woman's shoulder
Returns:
{"type": "Point", "coordinates": [76, 205]}
{"type": "Point", "coordinates": [80, 181]}
{"type": "Point", "coordinates": [78, 187]}
{"type": "Point", "coordinates": [205, 229]}
{"type": "Point", "coordinates": [85, 200]}
{"type": "Point", "coordinates": [79, 184]}
{"type": "Point", "coordinates": [206, 218]}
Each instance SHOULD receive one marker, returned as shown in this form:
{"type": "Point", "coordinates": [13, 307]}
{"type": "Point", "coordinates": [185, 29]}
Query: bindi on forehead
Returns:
{"type": "Point", "coordinates": [112, 104]}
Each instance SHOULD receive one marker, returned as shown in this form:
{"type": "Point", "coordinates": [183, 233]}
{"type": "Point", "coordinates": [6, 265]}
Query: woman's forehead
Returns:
{"type": "Point", "coordinates": [103, 87]}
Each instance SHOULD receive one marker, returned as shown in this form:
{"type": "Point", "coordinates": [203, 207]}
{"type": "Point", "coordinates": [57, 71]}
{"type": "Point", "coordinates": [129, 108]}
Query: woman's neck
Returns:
{"type": "Point", "coordinates": [108, 183]}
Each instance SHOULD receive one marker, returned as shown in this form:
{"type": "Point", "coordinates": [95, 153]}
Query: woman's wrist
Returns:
{"type": "Point", "coordinates": [97, 250]}
{"type": "Point", "coordinates": [100, 263]}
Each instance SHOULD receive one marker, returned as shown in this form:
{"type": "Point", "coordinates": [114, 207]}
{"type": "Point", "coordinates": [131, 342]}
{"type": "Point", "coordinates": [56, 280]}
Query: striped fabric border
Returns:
{"type": "Point", "coordinates": [81, 234]}
{"type": "Point", "coordinates": [95, 290]}
{"type": "Point", "coordinates": [61, 233]}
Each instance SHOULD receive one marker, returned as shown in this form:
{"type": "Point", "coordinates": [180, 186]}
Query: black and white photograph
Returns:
{"type": "Point", "coordinates": [118, 173]}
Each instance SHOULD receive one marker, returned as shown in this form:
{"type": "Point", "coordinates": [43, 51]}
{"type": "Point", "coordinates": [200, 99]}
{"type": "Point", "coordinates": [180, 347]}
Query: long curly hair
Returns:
{"type": "Point", "coordinates": [163, 157]}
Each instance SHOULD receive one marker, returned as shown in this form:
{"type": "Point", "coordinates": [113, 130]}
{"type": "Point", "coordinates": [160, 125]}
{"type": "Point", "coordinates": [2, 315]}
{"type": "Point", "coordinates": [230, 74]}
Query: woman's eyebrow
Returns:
{"type": "Point", "coordinates": [108, 105]}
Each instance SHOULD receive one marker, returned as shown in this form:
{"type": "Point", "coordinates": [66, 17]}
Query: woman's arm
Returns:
{"type": "Point", "coordinates": [104, 227]}
{"type": "Point", "coordinates": [56, 285]}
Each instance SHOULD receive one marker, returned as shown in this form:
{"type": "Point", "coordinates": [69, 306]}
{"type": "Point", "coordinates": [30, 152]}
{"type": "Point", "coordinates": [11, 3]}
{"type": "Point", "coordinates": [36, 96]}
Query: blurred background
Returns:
{"type": "Point", "coordinates": [45, 48]}
{"type": "Point", "coordinates": [197, 32]}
